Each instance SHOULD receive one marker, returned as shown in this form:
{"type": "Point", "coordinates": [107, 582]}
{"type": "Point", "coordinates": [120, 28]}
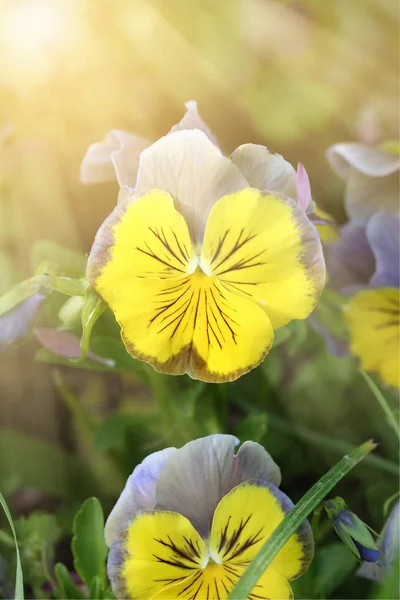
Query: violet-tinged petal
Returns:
{"type": "Point", "coordinates": [204, 470]}
{"type": "Point", "coordinates": [389, 548]}
{"type": "Point", "coordinates": [303, 185]}
{"type": "Point", "coordinates": [383, 233]}
{"type": "Point", "coordinates": [138, 494]}
{"type": "Point", "coordinates": [16, 324]}
{"type": "Point", "coordinates": [350, 261]}
{"type": "Point", "coordinates": [390, 544]}
{"type": "Point", "coordinates": [66, 345]}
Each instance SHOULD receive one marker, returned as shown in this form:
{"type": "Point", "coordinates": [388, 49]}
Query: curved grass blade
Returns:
{"type": "Point", "coordinates": [19, 580]}
{"type": "Point", "coordinates": [294, 519]}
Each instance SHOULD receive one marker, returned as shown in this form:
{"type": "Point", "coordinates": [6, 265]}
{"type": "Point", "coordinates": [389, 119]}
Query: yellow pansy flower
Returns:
{"type": "Point", "coordinates": [373, 314]}
{"type": "Point", "coordinates": [189, 522]}
{"type": "Point", "coordinates": [205, 255]}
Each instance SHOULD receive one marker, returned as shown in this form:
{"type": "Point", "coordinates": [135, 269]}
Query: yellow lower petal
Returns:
{"type": "Point", "coordinates": [243, 521]}
{"type": "Point", "coordinates": [216, 582]}
{"type": "Point", "coordinates": [162, 549]}
{"type": "Point", "coordinates": [192, 325]}
{"type": "Point", "coordinates": [151, 240]}
{"type": "Point", "coordinates": [165, 558]}
{"type": "Point", "coordinates": [374, 320]}
{"type": "Point", "coordinates": [263, 247]}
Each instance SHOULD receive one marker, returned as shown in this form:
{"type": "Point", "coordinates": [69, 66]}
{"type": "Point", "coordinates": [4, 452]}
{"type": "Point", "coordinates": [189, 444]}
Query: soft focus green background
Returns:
{"type": "Point", "coordinates": [294, 75]}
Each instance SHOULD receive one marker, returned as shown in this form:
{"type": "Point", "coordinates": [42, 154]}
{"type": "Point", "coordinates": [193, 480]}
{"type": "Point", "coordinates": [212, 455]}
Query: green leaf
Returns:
{"type": "Point", "coordinates": [95, 589]}
{"type": "Point", "coordinates": [70, 312]}
{"type": "Point", "coordinates": [67, 586]}
{"type": "Point", "coordinates": [48, 256]}
{"type": "Point", "coordinates": [19, 580]}
{"type": "Point", "coordinates": [253, 427]}
{"type": "Point", "coordinates": [69, 286]}
{"type": "Point", "coordinates": [37, 534]}
{"type": "Point", "coordinates": [93, 308]}
{"type": "Point", "coordinates": [109, 594]}
{"type": "Point", "coordinates": [88, 546]}
{"type": "Point", "coordinates": [8, 274]}
{"type": "Point", "coordinates": [60, 475]}
{"type": "Point", "coordinates": [281, 336]}
{"type": "Point", "coordinates": [333, 564]}
{"type": "Point", "coordinates": [294, 519]}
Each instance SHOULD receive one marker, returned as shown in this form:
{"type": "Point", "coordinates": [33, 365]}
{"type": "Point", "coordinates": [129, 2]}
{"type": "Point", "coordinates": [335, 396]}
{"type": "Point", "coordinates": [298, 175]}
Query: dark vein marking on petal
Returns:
{"type": "Point", "coordinates": [236, 247]}
{"type": "Point", "coordinates": [163, 239]}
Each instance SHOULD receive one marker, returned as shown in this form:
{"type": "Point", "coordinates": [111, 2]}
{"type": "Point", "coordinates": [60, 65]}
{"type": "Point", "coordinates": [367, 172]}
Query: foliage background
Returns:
{"type": "Point", "coordinates": [294, 75]}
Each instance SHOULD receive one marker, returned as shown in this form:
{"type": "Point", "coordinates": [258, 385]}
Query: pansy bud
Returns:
{"type": "Point", "coordinates": [353, 532]}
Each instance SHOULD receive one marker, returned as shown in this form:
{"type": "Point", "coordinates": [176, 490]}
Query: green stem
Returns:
{"type": "Point", "coordinates": [321, 440]}
{"type": "Point", "coordinates": [19, 580]}
{"type": "Point", "coordinates": [383, 403]}
{"type": "Point", "coordinates": [295, 518]}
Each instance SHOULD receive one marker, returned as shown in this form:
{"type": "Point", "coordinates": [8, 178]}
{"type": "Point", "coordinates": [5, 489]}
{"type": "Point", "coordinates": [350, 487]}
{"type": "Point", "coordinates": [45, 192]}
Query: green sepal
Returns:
{"type": "Point", "coordinates": [348, 526]}
{"type": "Point", "coordinates": [92, 309]}
{"type": "Point", "coordinates": [67, 586]}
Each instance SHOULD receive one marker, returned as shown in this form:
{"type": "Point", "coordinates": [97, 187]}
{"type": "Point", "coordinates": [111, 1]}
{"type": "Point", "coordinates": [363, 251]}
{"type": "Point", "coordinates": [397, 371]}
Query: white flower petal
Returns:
{"type": "Point", "coordinates": [365, 195]}
{"type": "Point", "coordinates": [265, 170]}
{"type": "Point", "coordinates": [371, 161]}
{"type": "Point", "coordinates": [192, 120]}
{"type": "Point", "coordinates": [203, 471]}
{"type": "Point", "coordinates": [193, 170]}
{"type": "Point", "coordinates": [116, 157]}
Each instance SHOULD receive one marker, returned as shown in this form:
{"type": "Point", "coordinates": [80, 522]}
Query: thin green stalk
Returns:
{"type": "Point", "coordinates": [294, 519]}
{"type": "Point", "coordinates": [383, 403]}
{"type": "Point", "coordinates": [321, 440]}
{"type": "Point", "coordinates": [19, 580]}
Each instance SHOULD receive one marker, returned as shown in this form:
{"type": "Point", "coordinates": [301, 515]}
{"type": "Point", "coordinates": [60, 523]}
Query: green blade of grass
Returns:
{"type": "Point", "coordinates": [294, 519]}
{"type": "Point", "coordinates": [19, 580]}
{"type": "Point", "coordinates": [392, 420]}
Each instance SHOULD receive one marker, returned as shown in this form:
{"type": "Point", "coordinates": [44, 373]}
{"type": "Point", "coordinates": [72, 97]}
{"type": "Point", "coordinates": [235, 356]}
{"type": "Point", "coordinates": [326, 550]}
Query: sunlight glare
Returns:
{"type": "Point", "coordinates": [33, 31]}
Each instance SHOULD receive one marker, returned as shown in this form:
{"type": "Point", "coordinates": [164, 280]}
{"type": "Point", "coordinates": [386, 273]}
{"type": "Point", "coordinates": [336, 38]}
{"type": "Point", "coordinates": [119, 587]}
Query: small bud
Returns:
{"type": "Point", "coordinates": [353, 532]}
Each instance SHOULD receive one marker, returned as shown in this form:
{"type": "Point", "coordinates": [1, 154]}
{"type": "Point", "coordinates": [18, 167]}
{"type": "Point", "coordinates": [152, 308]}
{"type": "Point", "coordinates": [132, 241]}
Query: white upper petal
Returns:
{"type": "Point", "coordinates": [193, 170]}
{"type": "Point", "coordinates": [264, 170]}
{"type": "Point", "coordinates": [202, 472]}
{"type": "Point", "coordinates": [368, 160]}
{"type": "Point", "coordinates": [192, 120]}
{"type": "Point", "coordinates": [116, 157]}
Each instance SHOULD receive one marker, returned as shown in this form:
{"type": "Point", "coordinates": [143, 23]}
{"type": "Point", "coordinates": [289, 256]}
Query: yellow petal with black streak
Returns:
{"type": "Point", "coordinates": [165, 558]}
{"type": "Point", "coordinates": [374, 320]}
{"type": "Point", "coordinates": [263, 247]}
{"type": "Point", "coordinates": [243, 521]}
{"type": "Point", "coordinates": [172, 314]}
{"type": "Point", "coordinates": [161, 549]}
{"type": "Point", "coordinates": [150, 240]}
